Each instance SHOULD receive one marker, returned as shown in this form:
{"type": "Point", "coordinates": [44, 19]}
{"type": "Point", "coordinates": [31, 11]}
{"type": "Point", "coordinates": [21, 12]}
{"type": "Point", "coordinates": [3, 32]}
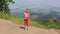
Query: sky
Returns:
{"type": "Point", "coordinates": [35, 3]}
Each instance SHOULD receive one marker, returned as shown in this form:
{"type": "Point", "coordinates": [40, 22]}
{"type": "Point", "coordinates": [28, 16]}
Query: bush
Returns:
{"type": "Point", "coordinates": [4, 15]}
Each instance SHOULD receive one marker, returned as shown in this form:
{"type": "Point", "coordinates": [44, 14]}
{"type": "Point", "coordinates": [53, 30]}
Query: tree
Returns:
{"type": "Point", "coordinates": [4, 5]}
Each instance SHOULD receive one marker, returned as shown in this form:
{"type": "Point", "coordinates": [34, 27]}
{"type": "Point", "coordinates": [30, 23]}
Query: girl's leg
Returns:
{"type": "Point", "coordinates": [27, 27]}
{"type": "Point", "coordinates": [26, 24]}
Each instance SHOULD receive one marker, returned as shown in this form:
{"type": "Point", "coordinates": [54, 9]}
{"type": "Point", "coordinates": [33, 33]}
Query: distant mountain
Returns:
{"type": "Point", "coordinates": [41, 14]}
{"type": "Point", "coordinates": [54, 14]}
{"type": "Point", "coordinates": [37, 13]}
{"type": "Point", "coordinates": [51, 14]}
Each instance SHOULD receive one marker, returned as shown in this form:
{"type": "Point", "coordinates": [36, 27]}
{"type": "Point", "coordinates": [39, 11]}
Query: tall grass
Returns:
{"type": "Point", "coordinates": [20, 21]}
{"type": "Point", "coordinates": [17, 20]}
{"type": "Point", "coordinates": [4, 15]}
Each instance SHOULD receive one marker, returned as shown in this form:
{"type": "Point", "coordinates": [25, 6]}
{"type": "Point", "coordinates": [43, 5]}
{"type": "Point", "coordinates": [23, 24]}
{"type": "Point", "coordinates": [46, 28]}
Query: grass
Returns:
{"type": "Point", "coordinates": [4, 15]}
{"type": "Point", "coordinates": [17, 20]}
{"type": "Point", "coordinates": [20, 21]}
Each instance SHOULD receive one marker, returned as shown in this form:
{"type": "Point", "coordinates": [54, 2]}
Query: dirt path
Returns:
{"type": "Point", "coordinates": [7, 27]}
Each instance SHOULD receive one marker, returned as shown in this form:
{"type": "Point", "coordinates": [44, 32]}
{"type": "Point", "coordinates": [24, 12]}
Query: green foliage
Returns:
{"type": "Point", "coordinates": [4, 5]}
{"type": "Point", "coordinates": [48, 23]}
{"type": "Point", "coordinates": [4, 15]}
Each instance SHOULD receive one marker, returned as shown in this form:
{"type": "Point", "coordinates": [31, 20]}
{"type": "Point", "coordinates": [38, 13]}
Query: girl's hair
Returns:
{"type": "Point", "coordinates": [27, 10]}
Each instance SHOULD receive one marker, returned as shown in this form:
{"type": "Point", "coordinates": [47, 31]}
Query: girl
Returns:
{"type": "Point", "coordinates": [26, 18]}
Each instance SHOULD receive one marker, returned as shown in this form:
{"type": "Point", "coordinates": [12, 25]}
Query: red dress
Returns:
{"type": "Point", "coordinates": [26, 16]}
{"type": "Point", "coordinates": [26, 21]}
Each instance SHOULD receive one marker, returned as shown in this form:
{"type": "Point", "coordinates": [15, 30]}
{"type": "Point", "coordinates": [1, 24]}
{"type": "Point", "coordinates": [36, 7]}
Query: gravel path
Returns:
{"type": "Point", "coordinates": [7, 27]}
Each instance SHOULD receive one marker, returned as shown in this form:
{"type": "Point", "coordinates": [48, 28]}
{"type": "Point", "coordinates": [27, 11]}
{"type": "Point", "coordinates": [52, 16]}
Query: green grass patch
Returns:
{"type": "Point", "coordinates": [44, 24]}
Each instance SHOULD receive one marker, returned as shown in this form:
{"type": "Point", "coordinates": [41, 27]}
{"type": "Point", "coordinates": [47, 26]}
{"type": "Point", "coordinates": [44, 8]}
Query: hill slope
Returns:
{"type": "Point", "coordinates": [8, 27]}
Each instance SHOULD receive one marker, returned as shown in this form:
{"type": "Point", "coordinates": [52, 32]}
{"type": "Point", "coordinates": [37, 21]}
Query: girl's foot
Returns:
{"type": "Point", "coordinates": [26, 28]}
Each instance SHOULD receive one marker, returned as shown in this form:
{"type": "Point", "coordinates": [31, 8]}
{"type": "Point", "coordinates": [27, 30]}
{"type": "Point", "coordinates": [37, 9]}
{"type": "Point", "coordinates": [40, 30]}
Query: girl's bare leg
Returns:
{"type": "Point", "coordinates": [26, 27]}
